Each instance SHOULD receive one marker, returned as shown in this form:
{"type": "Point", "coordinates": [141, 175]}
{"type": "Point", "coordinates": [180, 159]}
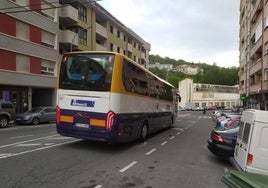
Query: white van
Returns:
{"type": "Point", "coordinates": [251, 150]}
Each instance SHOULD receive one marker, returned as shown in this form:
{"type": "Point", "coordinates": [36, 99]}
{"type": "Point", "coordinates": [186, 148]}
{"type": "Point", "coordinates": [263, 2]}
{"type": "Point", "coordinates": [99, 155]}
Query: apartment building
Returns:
{"type": "Point", "coordinates": [34, 34]}
{"type": "Point", "coordinates": [208, 95]}
{"type": "Point", "coordinates": [187, 69]}
{"type": "Point", "coordinates": [85, 25]}
{"type": "Point", "coordinates": [167, 67]}
{"type": "Point", "coordinates": [253, 47]}
{"type": "Point", "coordinates": [28, 52]}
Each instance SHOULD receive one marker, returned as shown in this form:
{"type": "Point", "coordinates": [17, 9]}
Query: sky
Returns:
{"type": "Point", "coordinates": [199, 31]}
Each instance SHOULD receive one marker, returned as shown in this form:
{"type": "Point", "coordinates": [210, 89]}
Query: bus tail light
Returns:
{"type": "Point", "coordinates": [250, 159]}
{"type": "Point", "coordinates": [58, 114]}
{"type": "Point", "coordinates": [109, 120]}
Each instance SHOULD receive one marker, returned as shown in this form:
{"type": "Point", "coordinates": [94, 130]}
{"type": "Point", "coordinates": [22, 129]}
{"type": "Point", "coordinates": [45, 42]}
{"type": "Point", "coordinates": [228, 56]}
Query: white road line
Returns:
{"type": "Point", "coordinates": [171, 137]}
{"type": "Point", "coordinates": [37, 149]}
{"type": "Point", "coordinates": [98, 186]}
{"type": "Point", "coordinates": [23, 145]}
{"type": "Point", "coordinates": [178, 129]}
{"type": "Point", "coordinates": [178, 133]}
{"type": "Point", "coordinates": [58, 138]}
{"type": "Point", "coordinates": [128, 166]}
{"type": "Point", "coordinates": [21, 136]}
{"type": "Point", "coordinates": [163, 143]}
{"type": "Point", "coordinates": [4, 146]}
{"type": "Point", "coordinates": [150, 152]}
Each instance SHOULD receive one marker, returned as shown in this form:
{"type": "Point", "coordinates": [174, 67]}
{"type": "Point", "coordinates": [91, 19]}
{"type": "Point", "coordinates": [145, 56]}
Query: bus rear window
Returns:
{"type": "Point", "coordinates": [86, 72]}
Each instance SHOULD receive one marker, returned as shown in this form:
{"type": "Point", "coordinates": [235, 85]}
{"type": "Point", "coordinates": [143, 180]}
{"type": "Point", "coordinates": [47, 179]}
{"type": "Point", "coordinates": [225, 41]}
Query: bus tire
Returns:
{"type": "Point", "coordinates": [144, 132]}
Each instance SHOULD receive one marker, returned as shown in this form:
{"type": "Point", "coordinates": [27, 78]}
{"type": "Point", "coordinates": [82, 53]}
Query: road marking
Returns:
{"type": "Point", "coordinates": [21, 136]}
{"type": "Point", "coordinates": [178, 129]}
{"type": "Point", "coordinates": [150, 152]}
{"type": "Point", "coordinates": [58, 138]}
{"type": "Point", "coordinates": [98, 186]}
{"type": "Point", "coordinates": [171, 137]}
{"type": "Point", "coordinates": [23, 145]}
{"type": "Point", "coordinates": [37, 149]}
{"type": "Point", "coordinates": [128, 166]}
{"type": "Point", "coordinates": [5, 154]}
{"type": "Point", "coordinates": [163, 143]}
{"type": "Point", "coordinates": [4, 146]}
{"type": "Point", "coordinates": [178, 133]}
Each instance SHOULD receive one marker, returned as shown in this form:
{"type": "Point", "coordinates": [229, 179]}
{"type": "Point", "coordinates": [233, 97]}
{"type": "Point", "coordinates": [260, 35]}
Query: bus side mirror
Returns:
{"type": "Point", "coordinates": [178, 97]}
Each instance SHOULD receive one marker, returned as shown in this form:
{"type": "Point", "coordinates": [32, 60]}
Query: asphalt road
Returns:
{"type": "Point", "coordinates": [36, 156]}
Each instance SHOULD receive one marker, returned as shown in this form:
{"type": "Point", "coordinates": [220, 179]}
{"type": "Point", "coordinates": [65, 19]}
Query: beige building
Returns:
{"type": "Point", "coordinates": [253, 47]}
{"type": "Point", "coordinates": [88, 26]}
{"type": "Point", "coordinates": [187, 69]}
{"type": "Point", "coordinates": [208, 95]}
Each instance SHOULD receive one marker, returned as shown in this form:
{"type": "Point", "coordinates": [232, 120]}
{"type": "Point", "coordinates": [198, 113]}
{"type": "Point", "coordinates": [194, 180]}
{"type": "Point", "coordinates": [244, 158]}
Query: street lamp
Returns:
{"type": "Point", "coordinates": [89, 27]}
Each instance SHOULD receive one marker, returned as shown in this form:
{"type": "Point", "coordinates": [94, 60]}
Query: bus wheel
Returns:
{"type": "Point", "coordinates": [144, 132]}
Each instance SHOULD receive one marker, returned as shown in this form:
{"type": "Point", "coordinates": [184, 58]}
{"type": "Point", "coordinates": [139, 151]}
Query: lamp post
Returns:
{"type": "Point", "coordinates": [71, 47]}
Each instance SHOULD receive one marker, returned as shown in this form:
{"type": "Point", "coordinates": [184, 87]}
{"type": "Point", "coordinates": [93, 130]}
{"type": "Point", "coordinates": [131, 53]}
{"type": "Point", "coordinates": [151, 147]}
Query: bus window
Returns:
{"type": "Point", "coordinates": [86, 72]}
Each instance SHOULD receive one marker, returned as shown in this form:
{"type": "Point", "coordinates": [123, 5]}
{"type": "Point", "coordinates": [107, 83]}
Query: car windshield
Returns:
{"type": "Point", "coordinates": [86, 72]}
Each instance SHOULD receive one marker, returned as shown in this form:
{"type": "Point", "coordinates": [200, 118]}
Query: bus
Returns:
{"type": "Point", "coordinates": [106, 96]}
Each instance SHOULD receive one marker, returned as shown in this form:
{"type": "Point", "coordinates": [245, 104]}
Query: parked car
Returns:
{"type": "Point", "coordinates": [7, 113]}
{"type": "Point", "coordinates": [225, 117]}
{"type": "Point", "coordinates": [37, 115]}
{"type": "Point", "coordinates": [233, 123]}
{"type": "Point", "coordinates": [222, 141]}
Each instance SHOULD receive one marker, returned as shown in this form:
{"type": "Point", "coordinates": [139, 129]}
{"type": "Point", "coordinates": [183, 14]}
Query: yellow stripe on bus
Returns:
{"type": "Point", "coordinates": [97, 122]}
{"type": "Point", "coordinates": [67, 119]}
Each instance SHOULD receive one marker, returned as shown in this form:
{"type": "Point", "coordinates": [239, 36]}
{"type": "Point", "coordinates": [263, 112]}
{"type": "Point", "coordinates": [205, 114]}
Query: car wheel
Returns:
{"type": "Point", "coordinates": [144, 132]}
{"type": "Point", "coordinates": [4, 122]}
{"type": "Point", "coordinates": [35, 121]}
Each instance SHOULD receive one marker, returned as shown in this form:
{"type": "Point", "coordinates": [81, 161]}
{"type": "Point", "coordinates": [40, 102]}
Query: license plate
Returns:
{"type": "Point", "coordinates": [82, 125]}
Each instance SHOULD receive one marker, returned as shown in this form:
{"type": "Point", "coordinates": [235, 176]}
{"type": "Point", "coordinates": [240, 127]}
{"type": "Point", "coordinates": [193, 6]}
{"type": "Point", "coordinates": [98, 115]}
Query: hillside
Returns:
{"type": "Point", "coordinates": [209, 74]}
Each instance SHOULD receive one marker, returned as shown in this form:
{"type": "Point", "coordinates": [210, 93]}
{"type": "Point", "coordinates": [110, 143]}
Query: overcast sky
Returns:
{"type": "Point", "coordinates": [205, 31]}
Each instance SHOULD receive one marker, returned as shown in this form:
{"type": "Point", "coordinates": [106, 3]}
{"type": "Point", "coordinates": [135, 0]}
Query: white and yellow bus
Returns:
{"type": "Point", "coordinates": [106, 96]}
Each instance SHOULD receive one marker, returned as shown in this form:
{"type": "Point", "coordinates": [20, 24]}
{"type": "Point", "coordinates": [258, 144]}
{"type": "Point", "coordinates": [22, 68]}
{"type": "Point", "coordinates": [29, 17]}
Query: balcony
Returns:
{"type": "Point", "coordinates": [68, 37]}
{"type": "Point", "coordinates": [102, 31]}
{"type": "Point", "coordinates": [256, 48]}
{"type": "Point", "coordinates": [68, 15]}
{"type": "Point", "coordinates": [255, 87]}
{"type": "Point", "coordinates": [257, 66]}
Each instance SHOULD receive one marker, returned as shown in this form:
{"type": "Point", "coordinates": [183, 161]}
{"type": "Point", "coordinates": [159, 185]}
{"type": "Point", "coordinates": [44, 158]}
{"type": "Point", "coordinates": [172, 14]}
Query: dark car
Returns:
{"type": "Point", "coordinates": [222, 141]}
{"type": "Point", "coordinates": [37, 115]}
{"type": "Point", "coordinates": [7, 113]}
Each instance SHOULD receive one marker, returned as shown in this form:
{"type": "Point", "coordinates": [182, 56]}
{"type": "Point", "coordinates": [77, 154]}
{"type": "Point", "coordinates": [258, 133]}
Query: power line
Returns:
{"type": "Point", "coordinates": [38, 9]}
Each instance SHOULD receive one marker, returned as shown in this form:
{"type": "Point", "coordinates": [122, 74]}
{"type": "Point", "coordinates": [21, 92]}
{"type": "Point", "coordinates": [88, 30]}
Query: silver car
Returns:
{"type": "Point", "coordinates": [37, 115]}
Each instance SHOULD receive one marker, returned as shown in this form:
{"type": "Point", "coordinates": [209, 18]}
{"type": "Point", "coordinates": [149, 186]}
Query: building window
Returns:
{"type": "Point", "coordinates": [48, 67]}
{"type": "Point", "coordinates": [266, 74]}
{"type": "Point", "coordinates": [48, 39]}
{"type": "Point", "coordinates": [82, 13]}
{"type": "Point", "coordinates": [82, 36]}
{"type": "Point", "coordinates": [111, 47]}
{"type": "Point", "coordinates": [118, 34]}
{"type": "Point", "coordinates": [23, 30]}
{"type": "Point", "coordinates": [118, 49]}
{"type": "Point", "coordinates": [22, 63]}
{"type": "Point", "coordinates": [111, 29]}
{"type": "Point", "coordinates": [48, 10]}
